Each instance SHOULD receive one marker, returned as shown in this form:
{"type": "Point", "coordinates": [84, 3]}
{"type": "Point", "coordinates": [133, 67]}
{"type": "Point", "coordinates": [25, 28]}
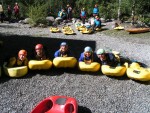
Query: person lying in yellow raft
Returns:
{"type": "Point", "coordinates": [63, 51]}
{"type": "Point", "coordinates": [107, 58]}
{"type": "Point", "coordinates": [21, 60]}
{"type": "Point", "coordinates": [88, 56]}
{"type": "Point", "coordinates": [40, 52]}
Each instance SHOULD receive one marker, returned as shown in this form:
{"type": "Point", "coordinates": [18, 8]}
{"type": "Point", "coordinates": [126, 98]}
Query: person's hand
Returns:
{"type": "Point", "coordinates": [88, 62]}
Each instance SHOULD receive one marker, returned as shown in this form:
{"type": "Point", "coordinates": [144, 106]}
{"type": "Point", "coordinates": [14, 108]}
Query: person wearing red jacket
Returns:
{"type": "Point", "coordinates": [16, 11]}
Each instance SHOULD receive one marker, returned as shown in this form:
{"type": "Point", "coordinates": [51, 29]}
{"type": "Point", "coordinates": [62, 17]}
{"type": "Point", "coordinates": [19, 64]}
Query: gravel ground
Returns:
{"type": "Point", "coordinates": [95, 93]}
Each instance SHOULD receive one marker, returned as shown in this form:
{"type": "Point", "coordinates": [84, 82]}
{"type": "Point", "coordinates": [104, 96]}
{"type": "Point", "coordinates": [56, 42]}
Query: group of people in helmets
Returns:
{"type": "Point", "coordinates": [88, 56]}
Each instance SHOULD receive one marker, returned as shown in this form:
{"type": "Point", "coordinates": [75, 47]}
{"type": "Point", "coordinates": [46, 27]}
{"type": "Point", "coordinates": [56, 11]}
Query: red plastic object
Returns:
{"type": "Point", "coordinates": [57, 104]}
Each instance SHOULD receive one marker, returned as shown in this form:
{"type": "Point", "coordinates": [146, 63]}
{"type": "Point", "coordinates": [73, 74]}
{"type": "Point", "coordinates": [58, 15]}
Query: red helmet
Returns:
{"type": "Point", "coordinates": [22, 52]}
{"type": "Point", "coordinates": [39, 46]}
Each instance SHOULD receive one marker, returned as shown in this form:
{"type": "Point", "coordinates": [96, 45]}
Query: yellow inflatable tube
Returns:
{"type": "Point", "coordinates": [113, 71]}
{"type": "Point", "coordinates": [119, 28]}
{"type": "Point", "coordinates": [64, 62]}
{"type": "Point", "coordinates": [135, 71]}
{"type": "Point", "coordinates": [93, 67]}
{"type": "Point", "coordinates": [54, 30]}
{"type": "Point", "coordinates": [86, 31]}
{"type": "Point", "coordinates": [15, 71]}
{"type": "Point", "coordinates": [39, 65]}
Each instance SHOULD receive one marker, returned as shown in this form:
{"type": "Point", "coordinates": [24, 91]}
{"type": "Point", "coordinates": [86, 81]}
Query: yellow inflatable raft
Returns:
{"type": "Point", "coordinates": [86, 31]}
{"type": "Point", "coordinates": [119, 28]}
{"type": "Point", "coordinates": [98, 29]}
{"type": "Point", "coordinates": [66, 28]}
{"type": "Point", "coordinates": [135, 71]}
{"type": "Point", "coordinates": [15, 71]}
{"type": "Point", "coordinates": [80, 28]}
{"type": "Point", "coordinates": [113, 71]}
{"type": "Point", "coordinates": [64, 62]}
{"type": "Point", "coordinates": [39, 65]}
{"type": "Point", "coordinates": [69, 32]}
{"type": "Point", "coordinates": [93, 67]}
{"type": "Point", "coordinates": [54, 29]}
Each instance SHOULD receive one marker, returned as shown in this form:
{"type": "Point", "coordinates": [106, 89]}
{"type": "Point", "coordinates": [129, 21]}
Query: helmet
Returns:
{"type": "Point", "coordinates": [100, 51]}
{"type": "Point", "coordinates": [22, 52]}
{"type": "Point", "coordinates": [63, 44]}
{"type": "Point", "coordinates": [39, 46]}
{"type": "Point", "coordinates": [83, 8]}
{"type": "Point", "coordinates": [87, 49]}
{"type": "Point", "coordinates": [96, 17]}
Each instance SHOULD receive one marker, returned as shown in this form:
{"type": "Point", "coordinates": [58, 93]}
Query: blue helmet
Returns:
{"type": "Point", "coordinates": [87, 49]}
{"type": "Point", "coordinates": [63, 44]}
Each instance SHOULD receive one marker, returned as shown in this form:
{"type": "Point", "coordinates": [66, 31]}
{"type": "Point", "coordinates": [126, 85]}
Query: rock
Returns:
{"type": "Point", "coordinates": [26, 21]}
{"type": "Point", "coordinates": [103, 20]}
{"type": "Point", "coordinates": [74, 20]}
{"type": "Point", "coordinates": [50, 18]}
{"type": "Point", "coordinates": [58, 19]}
{"type": "Point", "coordinates": [42, 25]}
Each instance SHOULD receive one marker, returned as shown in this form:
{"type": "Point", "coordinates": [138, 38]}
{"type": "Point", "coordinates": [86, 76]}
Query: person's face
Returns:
{"type": "Point", "coordinates": [101, 56]}
{"type": "Point", "coordinates": [39, 51]}
{"type": "Point", "coordinates": [64, 48]}
{"type": "Point", "coordinates": [87, 54]}
{"type": "Point", "coordinates": [22, 57]}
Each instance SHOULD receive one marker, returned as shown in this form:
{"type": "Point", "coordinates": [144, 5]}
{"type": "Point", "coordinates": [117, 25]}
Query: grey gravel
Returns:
{"type": "Point", "coordinates": [95, 93]}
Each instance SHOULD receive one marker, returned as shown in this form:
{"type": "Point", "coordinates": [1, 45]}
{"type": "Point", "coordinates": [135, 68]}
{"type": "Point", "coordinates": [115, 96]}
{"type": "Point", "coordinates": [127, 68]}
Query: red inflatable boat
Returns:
{"type": "Point", "coordinates": [57, 104]}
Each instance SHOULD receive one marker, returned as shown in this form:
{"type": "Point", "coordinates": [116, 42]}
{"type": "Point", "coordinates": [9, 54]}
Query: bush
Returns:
{"type": "Point", "coordinates": [37, 13]}
{"type": "Point", "coordinates": [145, 20]}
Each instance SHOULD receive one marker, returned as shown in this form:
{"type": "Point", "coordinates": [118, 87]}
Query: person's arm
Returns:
{"type": "Point", "coordinates": [12, 62]}
{"type": "Point", "coordinates": [81, 59]}
{"type": "Point", "coordinates": [26, 62]}
{"type": "Point", "coordinates": [56, 54]}
{"type": "Point", "coordinates": [113, 59]}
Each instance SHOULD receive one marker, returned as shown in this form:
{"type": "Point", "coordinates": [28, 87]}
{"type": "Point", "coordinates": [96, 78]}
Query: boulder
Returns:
{"type": "Point", "coordinates": [58, 19]}
{"type": "Point", "coordinates": [50, 18]}
{"type": "Point", "coordinates": [103, 20]}
{"type": "Point", "coordinates": [26, 21]}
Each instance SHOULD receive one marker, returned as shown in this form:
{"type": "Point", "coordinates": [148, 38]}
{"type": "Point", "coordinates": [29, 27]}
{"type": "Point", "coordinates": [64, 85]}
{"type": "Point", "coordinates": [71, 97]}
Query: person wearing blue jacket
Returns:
{"type": "Point", "coordinates": [97, 22]}
{"type": "Point", "coordinates": [88, 56]}
{"type": "Point", "coordinates": [95, 10]}
{"type": "Point", "coordinates": [63, 51]}
{"type": "Point", "coordinates": [83, 15]}
{"type": "Point", "coordinates": [62, 14]}
{"type": "Point", "coordinates": [107, 58]}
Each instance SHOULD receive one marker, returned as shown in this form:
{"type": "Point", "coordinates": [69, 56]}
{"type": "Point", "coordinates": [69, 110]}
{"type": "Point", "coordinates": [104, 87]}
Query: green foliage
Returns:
{"type": "Point", "coordinates": [145, 19]}
{"type": "Point", "coordinates": [107, 8]}
{"type": "Point", "coordinates": [37, 12]}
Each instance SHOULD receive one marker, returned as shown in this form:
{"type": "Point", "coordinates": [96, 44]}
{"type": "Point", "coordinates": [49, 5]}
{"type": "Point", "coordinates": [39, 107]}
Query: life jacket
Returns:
{"type": "Point", "coordinates": [97, 22]}
{"type": "Point", "coordinates": [95, 10]}
{"type": "Point", "coordinates": [16, 9]}
{"type": "Point", "coordinates": [63, 54]}
{"type": "Point", "coordinates": [41, 57]}
{"type": "Point", "coordinates": [9, 10]}
{"type": "Point", "coordinates": [15, 62]}
{"type": "Point", "coordinates": [110, 60]}
{"type": "Point", "coordinates": [69, 9]}
{"type": "Point", "coordinates": [88, 59]}
{"type": "Point", "coordinates": [83, 13]}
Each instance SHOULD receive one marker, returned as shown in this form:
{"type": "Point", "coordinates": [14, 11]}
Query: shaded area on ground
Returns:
{"type": "Point", "coordinates": [13, 43]}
